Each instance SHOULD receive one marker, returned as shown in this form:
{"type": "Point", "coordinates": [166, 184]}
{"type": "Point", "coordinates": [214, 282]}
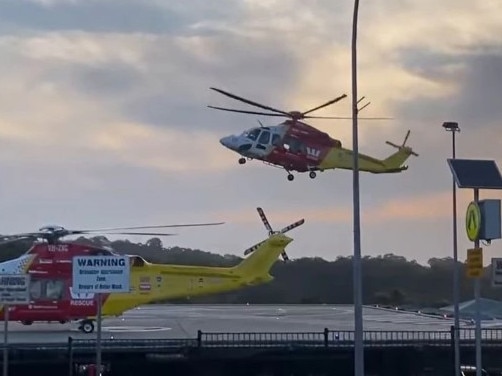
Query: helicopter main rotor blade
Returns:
{"type": "Point", "coordinates": [139, 233]}
{"type": "Point", "coordinates": [147, 227]}
{"type": "Point", "coordinates": [10, 241]}
{"type": "Point", "coordinates": [245, 112]}
{"type": "Point", "coordinates": [21, 236]}
{"type": "Point", "coordinates": [348, 117]}
{"type": "Point", "coordinates": [325, 104]}
{"type": "Point", "coordinates": [250, 102]}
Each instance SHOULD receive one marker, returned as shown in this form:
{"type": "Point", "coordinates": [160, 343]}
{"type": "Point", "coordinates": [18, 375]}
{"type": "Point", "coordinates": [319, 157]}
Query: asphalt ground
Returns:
{"type": "Point", "coordinates": [183, 321]}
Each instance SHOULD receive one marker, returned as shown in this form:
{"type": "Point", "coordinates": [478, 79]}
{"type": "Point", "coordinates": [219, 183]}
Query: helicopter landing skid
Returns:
{"type": "Point", "coordinates": [312, 175]}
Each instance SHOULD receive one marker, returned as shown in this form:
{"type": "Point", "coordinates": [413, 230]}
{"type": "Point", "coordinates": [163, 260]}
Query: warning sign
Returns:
{"type": "Point", "coordinates": [473, 221]}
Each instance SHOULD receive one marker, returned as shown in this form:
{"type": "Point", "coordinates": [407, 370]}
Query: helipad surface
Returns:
{"type": "Point", "coordinates": [183, 321]}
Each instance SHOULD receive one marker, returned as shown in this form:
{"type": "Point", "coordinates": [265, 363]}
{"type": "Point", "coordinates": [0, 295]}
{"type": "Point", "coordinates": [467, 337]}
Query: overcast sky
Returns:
{"type": "Point", "coordinates": [103, 117]}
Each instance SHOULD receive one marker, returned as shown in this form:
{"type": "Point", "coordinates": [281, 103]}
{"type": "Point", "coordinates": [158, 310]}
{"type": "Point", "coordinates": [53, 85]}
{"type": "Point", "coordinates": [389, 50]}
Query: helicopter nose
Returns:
{"type": "Point", "coordinates": [226, 141]}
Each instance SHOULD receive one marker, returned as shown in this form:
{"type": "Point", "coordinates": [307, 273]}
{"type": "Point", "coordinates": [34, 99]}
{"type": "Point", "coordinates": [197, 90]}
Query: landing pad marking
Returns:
{"type": "Point", "coordinates": [135, 329]}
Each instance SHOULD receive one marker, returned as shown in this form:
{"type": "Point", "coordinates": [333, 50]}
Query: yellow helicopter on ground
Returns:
{"type": "Point", "coordinates": [49, 264]}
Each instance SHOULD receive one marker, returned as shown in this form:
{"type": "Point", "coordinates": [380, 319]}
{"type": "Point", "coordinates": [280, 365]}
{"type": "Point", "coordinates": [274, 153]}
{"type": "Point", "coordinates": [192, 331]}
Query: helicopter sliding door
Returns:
{"type": "Point", "coordinates": [291, 154]}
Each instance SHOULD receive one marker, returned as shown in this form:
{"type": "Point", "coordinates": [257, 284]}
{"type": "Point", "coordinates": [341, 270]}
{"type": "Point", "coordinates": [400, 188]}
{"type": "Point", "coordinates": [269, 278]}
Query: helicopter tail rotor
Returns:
{"type": "Point", "coordinates": [403, 145]}
{"type": "Point", "coordinates": [272, 232]}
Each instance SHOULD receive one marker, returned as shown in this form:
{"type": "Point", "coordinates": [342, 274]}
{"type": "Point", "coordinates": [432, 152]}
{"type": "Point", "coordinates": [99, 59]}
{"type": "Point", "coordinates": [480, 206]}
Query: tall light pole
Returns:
{"type": "Point", "coordinates": [454, 128]}
{"type": "Point", "coordinates": [357, 283]}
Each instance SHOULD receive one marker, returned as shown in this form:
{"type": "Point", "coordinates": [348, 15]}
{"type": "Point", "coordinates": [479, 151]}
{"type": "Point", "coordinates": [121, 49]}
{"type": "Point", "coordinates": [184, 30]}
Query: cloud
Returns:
{"type": "Point", "coordinates": [103, 119]}
{"type": "Point", "coordinates": [412, 208]}
{"type": "Point", "coordinates": [166, 150]}
{"type": "Point", "coordinates": [91, 15]}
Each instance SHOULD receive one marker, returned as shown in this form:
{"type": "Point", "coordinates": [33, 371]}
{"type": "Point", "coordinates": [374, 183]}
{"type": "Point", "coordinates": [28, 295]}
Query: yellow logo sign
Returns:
{"type": "Point", "coordinates": [473, 221]}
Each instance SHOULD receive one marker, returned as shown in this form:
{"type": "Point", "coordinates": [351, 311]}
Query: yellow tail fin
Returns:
{"type": "Point", "coordinates": [396, 160]}
{"type": "Point", "coordinates": [256, 267]}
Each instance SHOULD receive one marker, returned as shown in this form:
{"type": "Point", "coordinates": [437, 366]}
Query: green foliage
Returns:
{"type": "Point", "coordinates": [387, 279]}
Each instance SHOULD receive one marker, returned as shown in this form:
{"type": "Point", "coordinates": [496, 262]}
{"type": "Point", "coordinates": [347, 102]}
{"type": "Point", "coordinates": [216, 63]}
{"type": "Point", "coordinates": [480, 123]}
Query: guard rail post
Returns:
{"type": "Point", "coordinates": [326, 337]}
{"type": "Point", "coordinates": [453, 333]}
{"type": "Point", "coordinates": [199, 338]}
{"type": "Point", "coordinates": [70, 356]}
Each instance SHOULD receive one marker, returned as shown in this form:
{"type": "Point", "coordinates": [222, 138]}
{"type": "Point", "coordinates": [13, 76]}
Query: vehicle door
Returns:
{"type": "Point", "coordinates": [263, 144]}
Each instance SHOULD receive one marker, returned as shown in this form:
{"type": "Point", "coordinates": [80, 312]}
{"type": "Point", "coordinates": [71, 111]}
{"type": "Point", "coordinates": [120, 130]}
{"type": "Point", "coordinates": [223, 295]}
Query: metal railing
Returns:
{"type": "Point", "coordinates": [325, 339]}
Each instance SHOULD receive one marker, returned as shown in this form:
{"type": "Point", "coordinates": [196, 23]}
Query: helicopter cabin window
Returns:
{"type": "Point", "coordinates": [264, 137]}
{"type": "Point", "coordinates": [253, 134]}
{"type": "Point", "coordinates": [35, 289]}
{"type": "Point", "coordinates": [138, 261]}
{"type": "Point", "coordinates": [46, 289]}
{"type": "Point", "coordinates": [276, 139]}
{"type": "Point", "coordinates": [293, 145]}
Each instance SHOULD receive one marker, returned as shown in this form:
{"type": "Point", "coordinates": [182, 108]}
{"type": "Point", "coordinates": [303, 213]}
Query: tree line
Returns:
{"type": "Point", "coordinates": [388, 279]}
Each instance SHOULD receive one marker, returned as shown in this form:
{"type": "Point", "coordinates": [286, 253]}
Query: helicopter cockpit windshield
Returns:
{"type": "Point", "coordinates": [252, 134]}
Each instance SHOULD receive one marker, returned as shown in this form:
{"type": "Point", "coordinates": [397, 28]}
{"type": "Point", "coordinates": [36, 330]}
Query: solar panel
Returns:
{"type": "Point", "coordinates": [475, 173]}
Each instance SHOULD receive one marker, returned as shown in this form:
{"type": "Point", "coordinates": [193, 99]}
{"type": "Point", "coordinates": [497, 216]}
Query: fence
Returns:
{"type": "Point", "coordinates": [325, 339]}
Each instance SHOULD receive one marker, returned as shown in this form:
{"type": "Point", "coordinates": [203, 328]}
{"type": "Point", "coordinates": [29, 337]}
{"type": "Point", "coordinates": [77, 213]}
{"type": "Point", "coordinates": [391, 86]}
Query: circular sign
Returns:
{"type": "Point", "coordinates": [473, 221]}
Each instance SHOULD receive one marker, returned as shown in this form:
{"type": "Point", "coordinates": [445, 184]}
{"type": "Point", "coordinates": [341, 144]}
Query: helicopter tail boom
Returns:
{"type": "Point", "coordinates": [180, 281]}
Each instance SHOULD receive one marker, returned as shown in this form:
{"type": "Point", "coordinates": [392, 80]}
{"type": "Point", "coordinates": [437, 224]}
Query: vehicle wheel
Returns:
{"type": "Point", "coordinates": [290, 177]}
{"type": "Point", "coordinates": [87, 327]}
{"type": "Point", "coordinates": [312, 174]}
{"type": "Point", "coordinates": [242, 160]}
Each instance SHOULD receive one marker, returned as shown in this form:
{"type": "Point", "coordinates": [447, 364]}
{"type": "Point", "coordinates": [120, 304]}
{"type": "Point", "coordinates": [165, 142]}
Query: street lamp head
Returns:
{"type": "Point", "coordinates": [451, 126]}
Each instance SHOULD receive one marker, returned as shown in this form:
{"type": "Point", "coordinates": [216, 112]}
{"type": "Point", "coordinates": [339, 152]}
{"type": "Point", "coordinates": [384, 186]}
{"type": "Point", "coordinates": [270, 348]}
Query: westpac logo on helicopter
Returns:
{"type": "Point", "coordinates": [312, 152]}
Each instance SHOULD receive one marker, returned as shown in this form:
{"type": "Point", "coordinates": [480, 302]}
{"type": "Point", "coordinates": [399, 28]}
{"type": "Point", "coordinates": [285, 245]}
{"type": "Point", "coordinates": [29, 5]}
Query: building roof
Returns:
{"type": "Point", "coordinates": [490, 309]}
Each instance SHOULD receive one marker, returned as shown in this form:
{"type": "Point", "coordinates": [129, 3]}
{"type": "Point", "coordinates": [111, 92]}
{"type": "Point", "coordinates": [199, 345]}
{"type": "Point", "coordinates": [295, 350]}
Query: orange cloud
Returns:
{"type": "Point", "coordinates": [417, 208]}
{"type": "Point", "coordinates": [430, 206]}
{"type": "Point", "coordinates": [286, 216]}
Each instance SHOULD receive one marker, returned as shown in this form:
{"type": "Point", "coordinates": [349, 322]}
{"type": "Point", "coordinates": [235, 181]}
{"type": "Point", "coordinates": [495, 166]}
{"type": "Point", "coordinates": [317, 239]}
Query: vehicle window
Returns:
{"type": "Point", "coordinates": [276, 140]}
{"type": "Point", "coordinates": [264, 137]}
{"type": "Point", "coordinates": [35, 289]}
{"type": "Point", "coordinates": [46, 289]}
{"type": "Point", "coordinates": [138, 261]}
{"type": "Point", "coordinates": [253, 135]}
{"type": "Point", "coordinates": [295, 146]}
{"type": "Point", "coordinates": [54, 289]}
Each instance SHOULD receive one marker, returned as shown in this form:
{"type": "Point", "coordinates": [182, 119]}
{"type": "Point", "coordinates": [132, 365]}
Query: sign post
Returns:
{"type": "Point", "coordinates": [14, 290]}
{"type": "Point", "coordinates": [100, 275]}
{"type": "Point", "coordinates": [479, 223]}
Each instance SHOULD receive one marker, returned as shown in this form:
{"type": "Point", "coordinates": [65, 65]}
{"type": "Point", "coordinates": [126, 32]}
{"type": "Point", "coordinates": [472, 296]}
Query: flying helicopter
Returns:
{"type": "Point", "coordinates": [49, 264]}
{"type": "Point", "coordinates": [294, 145]}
